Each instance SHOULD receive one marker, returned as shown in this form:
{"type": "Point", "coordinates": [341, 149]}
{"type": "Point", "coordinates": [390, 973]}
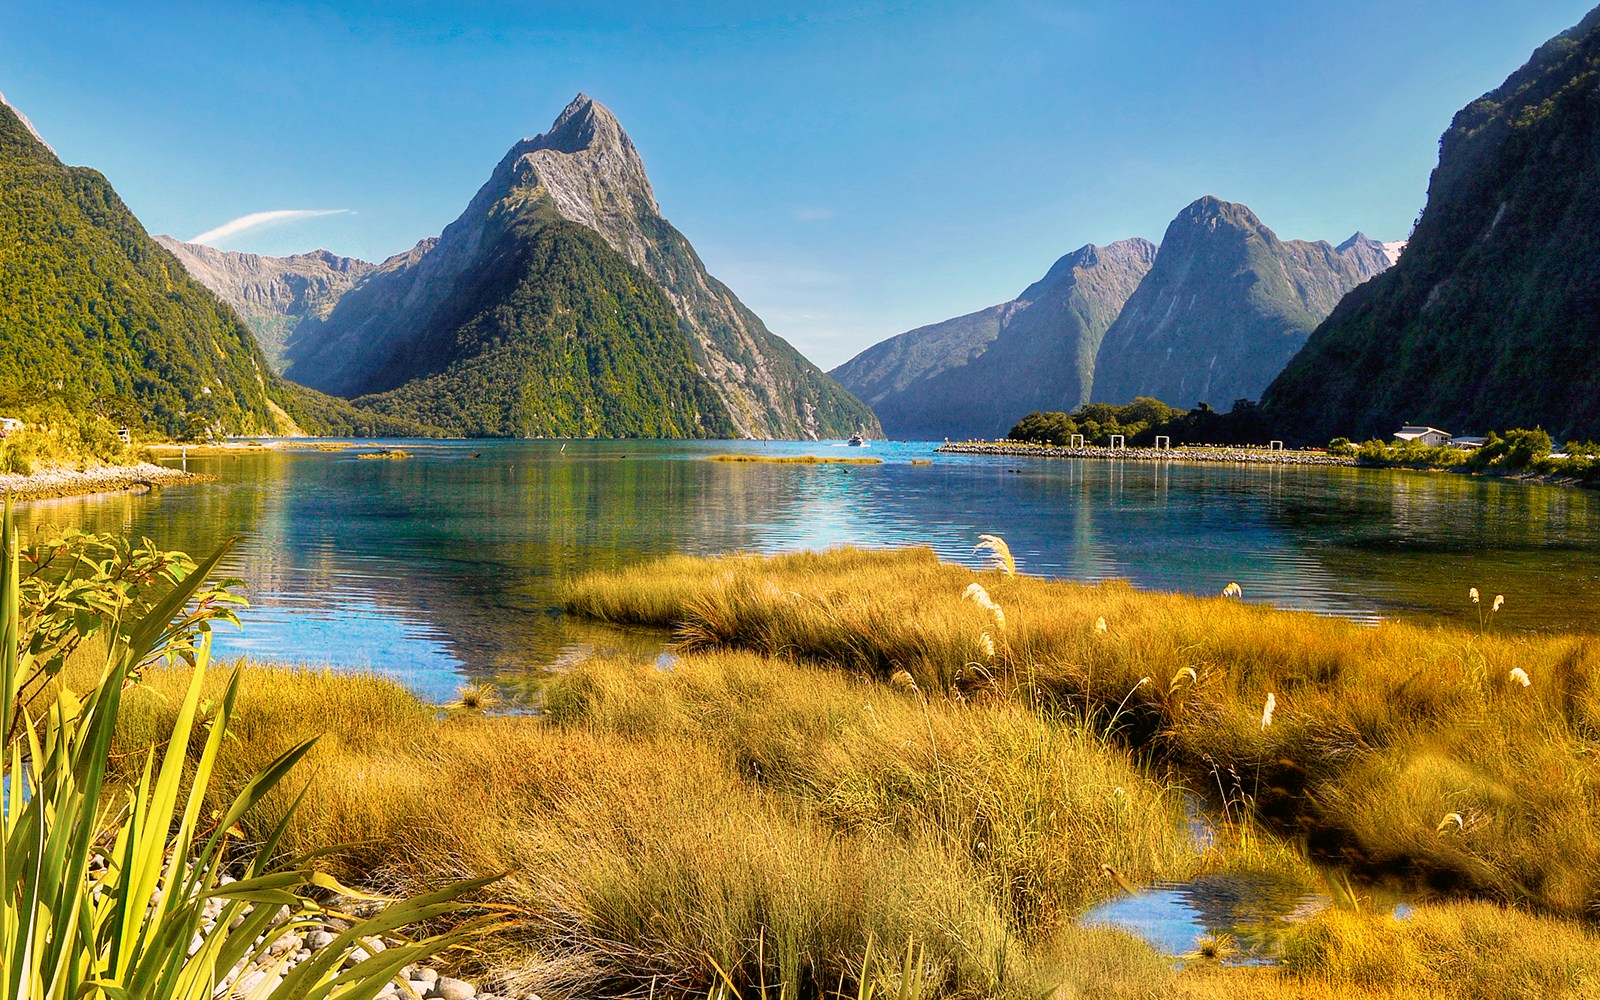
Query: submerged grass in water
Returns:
{"type": "Point", "coordinates": [795, 459]}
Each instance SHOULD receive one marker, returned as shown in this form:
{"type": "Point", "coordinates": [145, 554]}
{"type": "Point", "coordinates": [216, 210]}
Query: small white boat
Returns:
{"type": "Point", "coordinates": [857, 440]}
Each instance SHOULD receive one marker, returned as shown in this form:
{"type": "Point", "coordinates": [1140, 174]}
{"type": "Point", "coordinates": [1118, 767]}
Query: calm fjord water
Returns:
{"type": "Point", "coordinates": [444, 568]}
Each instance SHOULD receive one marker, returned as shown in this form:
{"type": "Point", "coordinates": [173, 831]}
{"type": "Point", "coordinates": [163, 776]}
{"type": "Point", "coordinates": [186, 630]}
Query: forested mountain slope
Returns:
{"type": "Point", "coordinates": [1491, 319]}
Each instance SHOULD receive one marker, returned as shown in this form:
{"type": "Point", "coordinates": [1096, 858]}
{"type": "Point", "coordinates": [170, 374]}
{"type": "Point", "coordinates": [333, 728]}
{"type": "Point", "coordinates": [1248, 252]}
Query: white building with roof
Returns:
{"type": "Point", "coordinates": [1432, 437]}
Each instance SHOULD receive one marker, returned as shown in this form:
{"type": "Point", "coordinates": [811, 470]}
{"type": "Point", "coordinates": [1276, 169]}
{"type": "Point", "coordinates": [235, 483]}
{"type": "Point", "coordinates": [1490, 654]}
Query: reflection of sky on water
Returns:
{"type": "Point", "coordinates": [447, 567]}
{"type": "Point", "coordinates": [1077, 520]}
{"type": "Point", "coordinates": [1253, 910]}
{"type": "Point", "coordinates": [369, 637]}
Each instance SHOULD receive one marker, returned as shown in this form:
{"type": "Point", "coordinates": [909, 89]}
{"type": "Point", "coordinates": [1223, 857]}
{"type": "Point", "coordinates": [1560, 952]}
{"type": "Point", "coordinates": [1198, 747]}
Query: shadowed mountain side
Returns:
{"type": "Point", "coordinates": [974, 375]}
{"type": "Point", "coordinates": [1224, 308]}
{"type": "Point", "coordinates": [1492, 317]}
{"type": "Point", "coordinates": [272, 294]}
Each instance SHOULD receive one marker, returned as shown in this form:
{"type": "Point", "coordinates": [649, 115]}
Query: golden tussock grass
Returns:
{"type": "Point", "coordinates": [1474, 951]}
{"type": "Point", "coordinates": [838, 758]}
{"type": "Point", "coordinates": [733, 813]}
{"type": "Point", "coordinates": [1375, 735]}
{"type": "Point", "coordinates": [739, 813]}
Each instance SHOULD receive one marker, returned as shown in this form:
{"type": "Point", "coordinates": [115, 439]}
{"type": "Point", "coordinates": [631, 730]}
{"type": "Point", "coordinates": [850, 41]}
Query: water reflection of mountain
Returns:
{"type": "Point", "coordinates": [1169, 527]}
{"type": "Point", "coordinates": [436, 567]}
{"type": "Point", "coordinates": [1412, 544]}
{"type": "Point", "coordinates": [447, 565]}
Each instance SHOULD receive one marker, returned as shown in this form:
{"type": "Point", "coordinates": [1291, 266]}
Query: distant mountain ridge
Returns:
{"type": "Point", "coordinates": [1209, 316]}
{"type": "Point", "coordinates": [1224, 308]}
{"type": "Point", "coordinates": [27, 124]}
{"type": "Point", "coordinates": [975, 375]}
{"type": "Point", "coordinates": [272, 294]}
{"type": "Point", "coordinates": [1491, 318]}
{"type": "Point", "coordinates": [494, 283]}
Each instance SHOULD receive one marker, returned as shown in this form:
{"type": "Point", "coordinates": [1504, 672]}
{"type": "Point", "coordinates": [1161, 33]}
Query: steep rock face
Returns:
{"type": "Point", "coordinates": [1491, 319]}
{"type": "Point", "coordinates": [585, 172]}
{"type": "Point", "coordinates": [272, 294]}
{"type": "Point", "coordinates": [95, 315]}
{"type": "Point", "coordinates": [1224, 308]}
{"type": "Point", "coordinates": [974, 375]}
{"type": "Point", "coordinates": [514, 323]}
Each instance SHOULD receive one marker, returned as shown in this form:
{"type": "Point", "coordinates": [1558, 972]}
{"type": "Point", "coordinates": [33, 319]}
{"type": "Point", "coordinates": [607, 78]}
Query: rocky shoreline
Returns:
{"type": "Point", "coordinates": [51, 484]}
{"type": "Point", "coordinates": [1183, 453]}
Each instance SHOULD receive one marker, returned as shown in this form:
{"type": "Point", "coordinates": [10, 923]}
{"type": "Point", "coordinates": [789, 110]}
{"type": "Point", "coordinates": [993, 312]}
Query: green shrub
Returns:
{"type": "Point", "coordinates": [136, 925]}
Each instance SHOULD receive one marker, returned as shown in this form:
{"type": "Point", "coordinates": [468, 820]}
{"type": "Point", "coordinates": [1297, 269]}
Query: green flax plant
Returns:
{"type": "Point", "coordinates": [107, 886]}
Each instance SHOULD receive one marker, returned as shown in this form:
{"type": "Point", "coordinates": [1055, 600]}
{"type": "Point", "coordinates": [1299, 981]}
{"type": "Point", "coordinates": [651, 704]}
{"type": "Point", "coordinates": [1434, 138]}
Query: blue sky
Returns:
{"type": "Point", "coordinates": [850, 169]}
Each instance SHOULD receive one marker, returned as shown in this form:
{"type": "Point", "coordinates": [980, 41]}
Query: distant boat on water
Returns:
{"type": "Point", "coordinates": [857, 440]}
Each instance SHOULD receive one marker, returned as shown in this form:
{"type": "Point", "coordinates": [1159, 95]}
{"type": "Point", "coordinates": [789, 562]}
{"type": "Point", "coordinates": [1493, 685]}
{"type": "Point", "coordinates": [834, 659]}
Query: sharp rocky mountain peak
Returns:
{"type": "Point", "coordinates": [591, 170]}
{"type": "Point", "coordinates": [488, 283]}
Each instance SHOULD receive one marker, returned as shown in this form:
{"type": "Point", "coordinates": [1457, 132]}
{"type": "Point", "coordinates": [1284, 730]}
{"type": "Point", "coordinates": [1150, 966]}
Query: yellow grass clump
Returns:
{"type": "Point", "coordinates": [1474, 951]}
{"type": "Point", "coordinates": [1369, 736]}
{"type": "Point", "coordinates": [733, 813]}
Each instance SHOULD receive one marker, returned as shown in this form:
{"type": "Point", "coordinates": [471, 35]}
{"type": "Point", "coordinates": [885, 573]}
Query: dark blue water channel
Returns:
{"type": "Point", "coordinates": [444, 567]}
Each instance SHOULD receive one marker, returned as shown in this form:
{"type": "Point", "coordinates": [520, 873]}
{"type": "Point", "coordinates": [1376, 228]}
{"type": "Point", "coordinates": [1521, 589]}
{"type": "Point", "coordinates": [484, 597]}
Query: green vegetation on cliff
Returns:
{"type": "Point", "coordinates": [1490, 318]}
{"type": "Point", "coordinates": [557, 337]}
{"type": "Point", "coordinates": [321, 415]}
{"type": "Point", "coordinates": [96, 318]}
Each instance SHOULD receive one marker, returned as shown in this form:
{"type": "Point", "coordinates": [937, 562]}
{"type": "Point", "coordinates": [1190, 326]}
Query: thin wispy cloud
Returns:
{"type": "Point", "coordinates": [809, 214]}
{"type": "Point", "coordinates": [260, 220]}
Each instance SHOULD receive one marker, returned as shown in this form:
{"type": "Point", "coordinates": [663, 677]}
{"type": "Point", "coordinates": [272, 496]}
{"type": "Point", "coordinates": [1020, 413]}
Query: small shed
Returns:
{"type": "Point", "coordinates": [1432, 437]}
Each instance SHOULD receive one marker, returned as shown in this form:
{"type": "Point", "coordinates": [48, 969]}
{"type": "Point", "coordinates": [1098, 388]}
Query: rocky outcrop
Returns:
{"type": "Point", "coordinates": [26, 124]}
{"type": "Point", "coordinates": [71, 482]}
{"type": "Point", "coordinates": [973, 376]}
{"type": "Point", "coordinates": [1224, 308]}
{"type": "Point", "coordinates": [1491, 319]}
{"type": "Point", "coordinates": [584, 171]}
{"type": "Point", "coordinates": [274, 295]}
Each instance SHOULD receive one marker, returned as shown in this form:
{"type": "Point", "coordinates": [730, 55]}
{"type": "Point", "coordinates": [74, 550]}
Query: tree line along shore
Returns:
{"type": "Point", "coordinates": [1229, 454]}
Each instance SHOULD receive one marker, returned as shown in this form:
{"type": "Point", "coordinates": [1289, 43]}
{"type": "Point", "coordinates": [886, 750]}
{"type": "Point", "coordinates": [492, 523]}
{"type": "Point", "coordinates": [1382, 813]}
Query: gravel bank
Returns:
{"type": "Point", "coordinates": [104, 479]}
{"type": "Point", "coordinates": [1228, 456]}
